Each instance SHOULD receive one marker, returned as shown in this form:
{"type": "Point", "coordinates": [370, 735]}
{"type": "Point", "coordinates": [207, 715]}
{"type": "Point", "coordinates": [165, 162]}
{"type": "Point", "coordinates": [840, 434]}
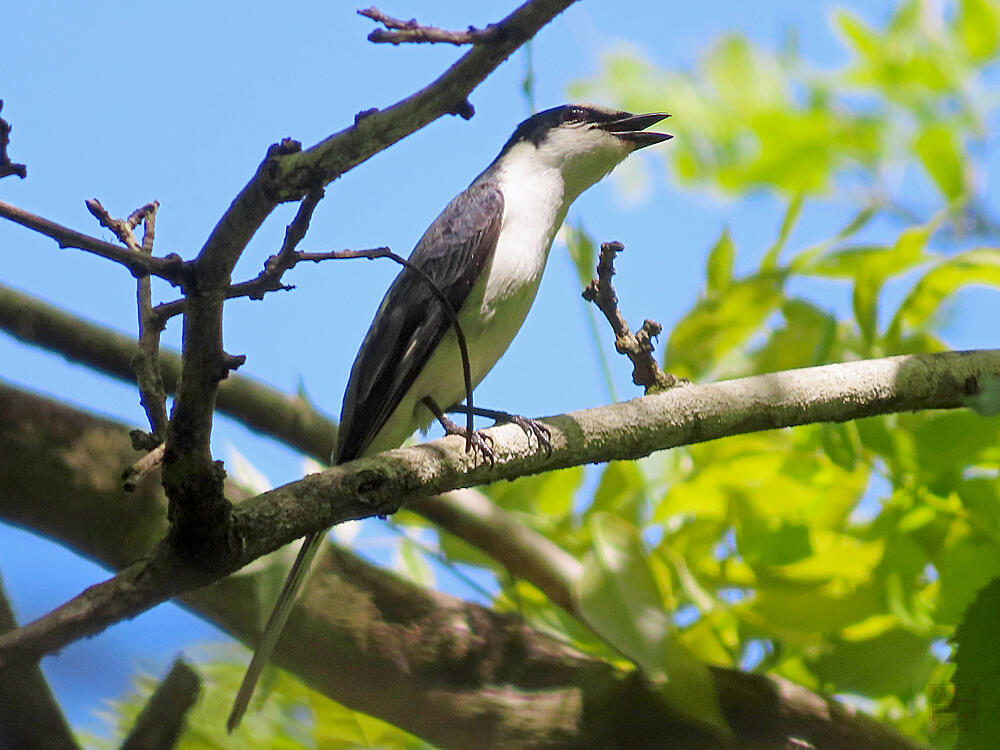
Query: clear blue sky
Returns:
{"type": "Point", "coordinates": [178, 102]}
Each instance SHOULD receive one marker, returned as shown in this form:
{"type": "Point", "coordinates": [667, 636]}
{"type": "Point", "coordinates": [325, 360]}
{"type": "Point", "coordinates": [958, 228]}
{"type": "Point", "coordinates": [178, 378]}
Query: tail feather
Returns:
{"type": "Point", "coordinates": [275, 624]}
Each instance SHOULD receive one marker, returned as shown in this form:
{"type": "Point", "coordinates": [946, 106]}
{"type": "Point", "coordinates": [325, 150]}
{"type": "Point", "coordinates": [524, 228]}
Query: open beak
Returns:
{"type": "Point", "coordinates": [632, 129]}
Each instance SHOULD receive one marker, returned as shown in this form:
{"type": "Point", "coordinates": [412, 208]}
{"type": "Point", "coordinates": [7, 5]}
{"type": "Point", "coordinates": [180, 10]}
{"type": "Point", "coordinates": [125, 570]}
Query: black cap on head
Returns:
{"type": "Point", "coordinates": [622, 123]}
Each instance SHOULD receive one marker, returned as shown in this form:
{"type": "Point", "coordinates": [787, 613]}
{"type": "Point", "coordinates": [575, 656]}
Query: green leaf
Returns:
{"type": "Point", "coordinates": [719, 268]}
{"type": "Point", "coordinates": [975, 705]}
{"type": "Point", "coordinates": [978, 28]}
{"type": "Point", "coordinates": [840, 443]}
{"type": "Point", "coordinates": [618, 597]}
{"type": "Point", "coordinates": [546, 498]}
{"type": "Point", "coordinates": [582, 252]}
{"type": "Point", "coordinates": [979, 266]}
{"type": "Point", "coordinates": [938, 147]}
{"type": "Point", "coordinates": [717, 325]}
{"type": "Point", "coordinates": [895, 661]}
{"type": "Point", "coordinates": [806, 338]}
{"type": "Point", "coordinates": [770, 259]}
{"type": "Point", "coordinates": [412, 564]}
{"type": "Point", "coordinates": [965, 566]}
{"type": "Point", "coordinates": [857, 34]}
{"type": "Point", "coordinates": [621, 491]}
{"type": "Point", "coordinates": [765, 542]}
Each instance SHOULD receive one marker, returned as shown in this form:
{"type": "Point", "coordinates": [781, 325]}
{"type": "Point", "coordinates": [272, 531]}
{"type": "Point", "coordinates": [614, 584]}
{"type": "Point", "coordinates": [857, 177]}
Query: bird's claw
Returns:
{"type": "Point", "coordinates": [476, 441]}
{"type": "Point", "coordinates": [543, 435]}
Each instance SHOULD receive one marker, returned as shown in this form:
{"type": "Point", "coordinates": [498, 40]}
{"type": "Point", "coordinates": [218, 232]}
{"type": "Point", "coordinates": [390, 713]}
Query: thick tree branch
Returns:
{"type": "Point", "coordinates": [288, 417]}
{"type": "Point", "coordinates": [524, 552]}
{"type": "Point", "coordinates": [456, 674]}
{"type": "Point", "coordinates": [161, 721]}
{"type": "Point", "coordinates": [30, 717]}
{"type": "Point", "coordinates": [382, 484]}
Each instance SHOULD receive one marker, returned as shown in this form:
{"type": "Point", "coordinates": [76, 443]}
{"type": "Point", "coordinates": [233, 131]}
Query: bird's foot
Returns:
{"type": "Point", "coordinates": [542, 434]}
{"type": "Point", "coordinates": [531, 427]}
{"type": "Point", "coordinates": [476, 441]}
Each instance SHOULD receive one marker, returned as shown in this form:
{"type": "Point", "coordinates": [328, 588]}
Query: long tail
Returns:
{"type": "Point", "coordinates": [275, 624]}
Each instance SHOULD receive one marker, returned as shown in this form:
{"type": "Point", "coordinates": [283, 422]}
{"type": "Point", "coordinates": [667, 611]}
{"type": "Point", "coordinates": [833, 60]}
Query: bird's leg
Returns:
{"type": "Point", "coordinates": [530, 426]}
{"type": "Point", "coordinates": [476, 439]}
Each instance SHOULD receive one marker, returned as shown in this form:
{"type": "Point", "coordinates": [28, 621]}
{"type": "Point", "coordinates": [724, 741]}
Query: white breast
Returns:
{"type": "Point", "coordinates": [534, 207]}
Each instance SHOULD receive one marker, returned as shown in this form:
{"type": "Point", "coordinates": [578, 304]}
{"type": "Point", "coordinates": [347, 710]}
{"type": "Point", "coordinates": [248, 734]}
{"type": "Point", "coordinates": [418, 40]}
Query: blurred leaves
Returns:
{"type": "Point", "coordinates": [912, 94]}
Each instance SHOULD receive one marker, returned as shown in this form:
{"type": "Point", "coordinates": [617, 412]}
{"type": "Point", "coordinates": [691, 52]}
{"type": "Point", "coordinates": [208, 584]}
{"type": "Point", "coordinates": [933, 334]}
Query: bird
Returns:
{"type": "Point", "coordinates": [485, 253]}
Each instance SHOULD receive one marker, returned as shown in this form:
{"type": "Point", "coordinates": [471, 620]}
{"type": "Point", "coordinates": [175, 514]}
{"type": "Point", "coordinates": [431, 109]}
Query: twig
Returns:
{"type": "Point", "coordinates": [142, 468]}
{"type": "Point", "coordinates": [121, 228]}
{"type": "Point", "coordinates": [171, 267]}
{"type": "Point", "coordinates": [399, 32]}
{"type": "Point", "coordinates": [269, 279]}
{"type": "Point", "coordinates": [639, 347]}
{"type": "Point", "coordinates": [7, 167]}
{"type": "Point", "coordinates": [161, 720]}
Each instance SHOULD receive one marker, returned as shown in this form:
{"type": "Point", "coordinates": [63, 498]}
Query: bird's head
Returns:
{"type": "Point", "coordinates": [583, 141]}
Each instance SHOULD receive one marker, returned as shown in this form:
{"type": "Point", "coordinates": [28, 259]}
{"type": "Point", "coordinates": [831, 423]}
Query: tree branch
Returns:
{"type": "Point", "coordinates": [161, 721]}
{"type": "Point", "coordinates": [382, 484]}
{"type": "Point", "coordinates": [170, 268]}
{"type": "Point", "coordinates": [646, 372]}
{"type": "Point", "coordinates": [456, 674]}
{"type": "Point", "coordinates": [289, 417]}
{"type": "Point", "coordinates": [399, 32]}
{"type": "Point", "coordinates": [29, 713]}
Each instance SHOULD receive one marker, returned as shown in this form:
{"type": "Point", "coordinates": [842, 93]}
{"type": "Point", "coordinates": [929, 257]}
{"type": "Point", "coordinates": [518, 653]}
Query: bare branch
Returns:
{"type": "Point", "coordinates": [172, 267]}
{"type": "Point", "coordinates": [7, 167]}
{"type": "Point", "coordinates": [399, 32]}
{"type": "Point", "coordinates": [161, 721]}
{"type": "Point", "coordinates": [639, 347]}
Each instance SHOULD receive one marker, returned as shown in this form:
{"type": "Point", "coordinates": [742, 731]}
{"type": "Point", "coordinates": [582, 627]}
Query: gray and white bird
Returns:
{"type": "Point", "coordinates": [486, 253]}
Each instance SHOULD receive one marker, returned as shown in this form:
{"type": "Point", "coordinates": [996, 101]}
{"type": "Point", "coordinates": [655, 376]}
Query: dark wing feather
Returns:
{"type": "Point", "coordinates": [411, 321]}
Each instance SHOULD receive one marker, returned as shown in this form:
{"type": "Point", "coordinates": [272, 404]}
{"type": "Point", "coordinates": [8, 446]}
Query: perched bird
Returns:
{"type": "Point", "coordinates": [486, 253]}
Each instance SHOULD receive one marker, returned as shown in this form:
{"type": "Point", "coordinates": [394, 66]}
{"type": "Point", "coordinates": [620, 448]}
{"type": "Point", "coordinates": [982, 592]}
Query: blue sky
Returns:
{"type": "Point", "coordinates": [179, 101]}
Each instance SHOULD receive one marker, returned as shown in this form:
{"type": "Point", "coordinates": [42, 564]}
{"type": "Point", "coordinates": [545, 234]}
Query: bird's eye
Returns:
{"type": "Point", "coordinates": [573, 114]}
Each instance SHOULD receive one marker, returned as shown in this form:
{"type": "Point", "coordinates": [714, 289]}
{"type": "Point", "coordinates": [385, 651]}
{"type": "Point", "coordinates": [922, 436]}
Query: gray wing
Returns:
{"type": "Point", "coordinates": [411, 320]}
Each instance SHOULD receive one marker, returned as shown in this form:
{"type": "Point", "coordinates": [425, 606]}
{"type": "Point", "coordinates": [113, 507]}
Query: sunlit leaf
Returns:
{"type": "Point", "coordinates": [980, 266]}
{"type": "Point", "coordinates": [941, 153]}
{"type": "Point", "coordinates": [978, 28]}
{"type": "Point", "coordinates": [719, 268]}
{"type": "Point", "coordinates": [618, 597]}
{"type": "Point", "coordinates": [770, 259]}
